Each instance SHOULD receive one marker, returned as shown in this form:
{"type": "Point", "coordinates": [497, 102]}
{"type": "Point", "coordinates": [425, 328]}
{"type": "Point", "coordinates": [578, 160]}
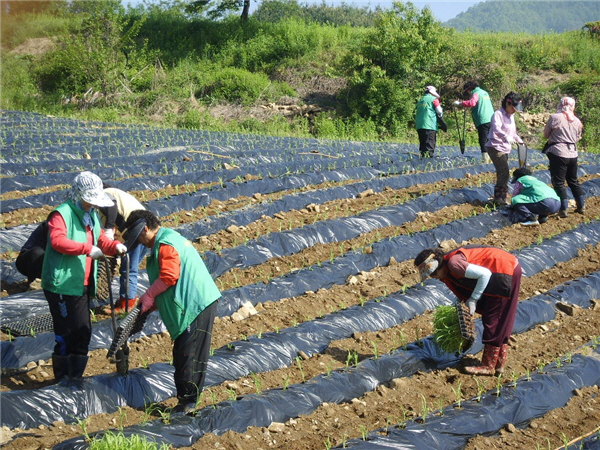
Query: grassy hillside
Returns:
{"type": "Point", "coordinates": [538, 16]}
{"type": "Point", "coordinates": [163, 66]}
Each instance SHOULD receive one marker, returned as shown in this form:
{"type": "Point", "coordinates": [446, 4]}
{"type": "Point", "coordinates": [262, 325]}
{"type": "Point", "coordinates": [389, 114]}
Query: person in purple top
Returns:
{"type": "Point", "coordinates": [563, 130]}
{"type": "Point", "coordinates": [501, 137]}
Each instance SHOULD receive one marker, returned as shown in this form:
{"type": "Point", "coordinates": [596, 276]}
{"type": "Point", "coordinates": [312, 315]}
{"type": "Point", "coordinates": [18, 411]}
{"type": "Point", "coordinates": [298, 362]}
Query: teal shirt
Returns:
{"type": "Point", "coordinates": [483, 111]}
{"type": "Point", "coordinates": [426, 117]}
{"type": "Point", "coordinates": [533, 191]}
{"type": "Point", "coordinates": [195, 290]}
{"type": "Point", "coordinates": [64, 274]}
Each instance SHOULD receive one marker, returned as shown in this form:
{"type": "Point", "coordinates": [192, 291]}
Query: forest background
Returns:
{"type": "Point", "coordinates": [290, 69]}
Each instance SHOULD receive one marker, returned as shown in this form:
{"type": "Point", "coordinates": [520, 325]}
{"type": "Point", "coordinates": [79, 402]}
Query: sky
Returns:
{"type": "Point", "coordinates": [443, 10]}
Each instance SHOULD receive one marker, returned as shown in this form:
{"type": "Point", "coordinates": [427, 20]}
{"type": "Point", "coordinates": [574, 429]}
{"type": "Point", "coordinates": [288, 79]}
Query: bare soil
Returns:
{"type": "Point", "coordinates": [402, 400]}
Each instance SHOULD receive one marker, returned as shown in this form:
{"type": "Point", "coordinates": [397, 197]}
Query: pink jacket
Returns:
{"type": "Point", "coordinates": [502, 129]}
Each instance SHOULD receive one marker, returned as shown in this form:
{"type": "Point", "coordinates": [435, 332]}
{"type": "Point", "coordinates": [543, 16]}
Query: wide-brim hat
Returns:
{"type": "Point", "coordinates": [427, 267]}
{"type": "Point", "coordinates": [87, 186]}
{"type": "Point", "coordinates": [133, 233]}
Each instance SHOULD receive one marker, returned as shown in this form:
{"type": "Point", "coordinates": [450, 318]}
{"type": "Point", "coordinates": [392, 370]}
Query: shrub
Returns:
{"type": "Point", "coordinates": [240, 86]}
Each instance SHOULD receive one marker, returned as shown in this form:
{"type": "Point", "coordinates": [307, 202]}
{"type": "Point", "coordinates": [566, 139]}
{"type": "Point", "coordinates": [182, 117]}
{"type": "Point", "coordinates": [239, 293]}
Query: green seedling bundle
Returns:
{"type": "Point", "coordinates": [447, 330]}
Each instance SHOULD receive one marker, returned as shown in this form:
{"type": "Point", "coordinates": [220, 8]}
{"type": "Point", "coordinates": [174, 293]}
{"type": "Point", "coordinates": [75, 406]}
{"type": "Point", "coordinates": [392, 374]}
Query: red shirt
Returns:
{"type": "Point", "coordinates": [57, 229]}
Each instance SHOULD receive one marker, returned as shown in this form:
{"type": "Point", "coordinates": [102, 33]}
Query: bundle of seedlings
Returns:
{"type": "Point", "coordinates": [453, 328]}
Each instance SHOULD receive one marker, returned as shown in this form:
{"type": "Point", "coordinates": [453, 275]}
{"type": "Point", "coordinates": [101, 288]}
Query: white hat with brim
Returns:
{"type": "Point", "coordinates": [433, 91]}
{"type": "Point", "coordinates": [427, 267]}
{"type": "Point", "coordinates": [87, 186]}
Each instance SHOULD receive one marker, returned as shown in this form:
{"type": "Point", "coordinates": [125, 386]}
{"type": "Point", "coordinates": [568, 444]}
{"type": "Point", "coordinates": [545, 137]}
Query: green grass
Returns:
{"type": "Point", "coordinates": [118, 441]}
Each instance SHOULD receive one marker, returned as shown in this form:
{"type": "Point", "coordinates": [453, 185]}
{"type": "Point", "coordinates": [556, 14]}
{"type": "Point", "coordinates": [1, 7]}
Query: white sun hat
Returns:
{"type": "Point", "coordinates": [87, 186]}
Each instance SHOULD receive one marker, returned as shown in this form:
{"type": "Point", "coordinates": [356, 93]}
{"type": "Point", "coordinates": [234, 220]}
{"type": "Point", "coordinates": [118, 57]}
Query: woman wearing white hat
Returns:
{"type": "Point", "coordinates": [429, 112]}
{"type": "Point", "coordinates": [69, 272]}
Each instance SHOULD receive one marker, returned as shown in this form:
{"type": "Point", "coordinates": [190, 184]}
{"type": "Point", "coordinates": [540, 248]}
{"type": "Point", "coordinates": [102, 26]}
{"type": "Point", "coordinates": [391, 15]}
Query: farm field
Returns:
{"type": "Point", "coordinates": [319, 237]}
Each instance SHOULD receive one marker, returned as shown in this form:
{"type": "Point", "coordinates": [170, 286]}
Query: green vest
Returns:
{"type": "Point", "coordinates": [195, 290]}
{"type": "Point", "coordinates": [533, 191]}
{"type": "Point", "coordinates": [426, 117]}
{"type": "Point", "coordinates": [64, 274]}
{"type": "Point", "coordinates": [483, 111]}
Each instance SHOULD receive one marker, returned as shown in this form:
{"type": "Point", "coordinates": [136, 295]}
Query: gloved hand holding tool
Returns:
{"type": "Point", "coordinates": [147, 299]}
{"type": "Point", "coordinates": [95, 253]}
{"type": "Point", "coordinates": [120, 354]}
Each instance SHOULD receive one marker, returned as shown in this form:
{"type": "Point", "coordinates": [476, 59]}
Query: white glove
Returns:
{"type": "Point", "coordinates": [456, 102]}
{"type": "Point", "coordinates": [121, 249]}
{"type": "Point", "coordinates": [510, 140]}
{"type": "Point", "coordinates": [472, 304]}
{"type": "Point", "coordinates": [95, 253]}
{"type": "Point", "coordinates": [109, 233]}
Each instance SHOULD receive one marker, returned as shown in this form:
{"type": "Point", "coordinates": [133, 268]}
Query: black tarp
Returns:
{"type": "Point", "coordinates": [546, 391]}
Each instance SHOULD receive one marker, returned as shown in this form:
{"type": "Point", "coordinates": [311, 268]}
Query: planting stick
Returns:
{"type": "Point", "coordinates": [577, 439]}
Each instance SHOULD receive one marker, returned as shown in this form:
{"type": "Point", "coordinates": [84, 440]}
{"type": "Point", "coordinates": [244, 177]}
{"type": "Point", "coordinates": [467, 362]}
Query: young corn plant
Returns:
{"type": "Point", "coordinates": [498, 384]}
{"type": "Point", "coordinates": [458, 393]}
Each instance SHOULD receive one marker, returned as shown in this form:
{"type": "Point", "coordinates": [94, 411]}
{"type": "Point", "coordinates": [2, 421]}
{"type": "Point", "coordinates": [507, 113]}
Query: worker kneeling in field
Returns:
{"type": "Point", "coordinates": [530, 198]}
{"type": "Point", "coordinates": [488, 279]}
{"type": "Point", "coordinates": [185, 295]}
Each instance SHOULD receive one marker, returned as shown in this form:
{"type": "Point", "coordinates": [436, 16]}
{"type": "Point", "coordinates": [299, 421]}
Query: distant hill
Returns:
{"type": "Point", "coordinates": [535, 16]}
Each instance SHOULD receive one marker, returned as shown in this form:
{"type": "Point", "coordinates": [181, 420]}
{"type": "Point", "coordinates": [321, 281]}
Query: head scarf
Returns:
{"type": "Point", "coordinates": [567, 107]}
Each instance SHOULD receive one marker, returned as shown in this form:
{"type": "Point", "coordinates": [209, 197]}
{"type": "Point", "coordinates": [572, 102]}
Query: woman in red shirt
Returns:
{"type": "Point", "coordinates": [488, 279]}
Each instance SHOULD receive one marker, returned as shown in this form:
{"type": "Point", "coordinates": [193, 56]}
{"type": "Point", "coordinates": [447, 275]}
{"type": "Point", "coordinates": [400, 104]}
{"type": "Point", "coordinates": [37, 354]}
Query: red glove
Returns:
{"type": "Point", "coordinates": [147, 299]}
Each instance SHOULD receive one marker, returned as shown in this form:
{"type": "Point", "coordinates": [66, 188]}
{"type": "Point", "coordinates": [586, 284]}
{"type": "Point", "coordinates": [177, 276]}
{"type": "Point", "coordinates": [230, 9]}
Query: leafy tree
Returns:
{"type": "Point", "coordinates": [98, 53]}
{"type": "Point", "coordinates": [394, 63]}
{"type": "Point", "coordinates": [344, 14]}
{"type": "Point", "coordinates": [221, 8]}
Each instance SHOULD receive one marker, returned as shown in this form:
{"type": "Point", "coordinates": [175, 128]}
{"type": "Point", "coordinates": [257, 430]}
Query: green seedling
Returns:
{"type": "Point", "coordinates": [231, 394]}
{"type": "Point", "coordinates": [498, 384]}
{"type": "Point", "coordinates": [375, 351]}
{"type": "Point", "coordinates": [257, 383]}
{"type": "Point", "coordinates": [480, 388]}
{"type": "Point", "coordinates": [458, 393]}
{"type": "Point", "coordinates": [363, 432]}
{"type": "Point", "coordinates": [286, 382]}
{"type": "Point", "coordinates": [424, 408]}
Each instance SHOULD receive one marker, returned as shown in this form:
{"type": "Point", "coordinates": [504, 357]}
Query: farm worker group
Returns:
{"type": "Point", "coordinates": [497, 133]}
{"type": "Point", "coordinates": [181, 287]}
{"type": "Point", "coordinates": [63, 250]}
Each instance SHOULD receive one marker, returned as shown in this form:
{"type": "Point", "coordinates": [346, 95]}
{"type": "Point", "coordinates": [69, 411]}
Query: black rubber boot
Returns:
{"type": "Point", "coordinates": [77, 365]}
{"type": "Point", "coordinates": [60, 366]}
{"type": "Point", "coordinates": [580, 205]}
{"type": "Point", "coordinates": [564, 204]}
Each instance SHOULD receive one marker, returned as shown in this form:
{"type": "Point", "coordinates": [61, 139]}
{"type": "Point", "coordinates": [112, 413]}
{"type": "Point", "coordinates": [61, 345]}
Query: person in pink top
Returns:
{"type": "Point", "coordinates": [563, 130]}
{"type": "Point", "coordinates": [501, 137]}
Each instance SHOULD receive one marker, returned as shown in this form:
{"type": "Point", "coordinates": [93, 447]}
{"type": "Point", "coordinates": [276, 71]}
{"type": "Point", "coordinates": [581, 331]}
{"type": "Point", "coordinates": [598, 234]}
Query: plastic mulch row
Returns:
{"type": "Point", "coordinates": [273, 351]}
{"type": "Point", "coordinates": [545, 392]}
